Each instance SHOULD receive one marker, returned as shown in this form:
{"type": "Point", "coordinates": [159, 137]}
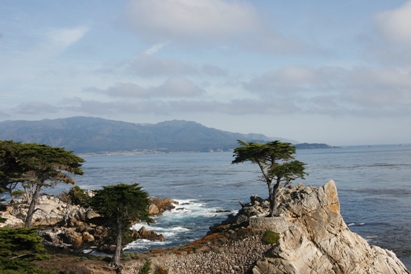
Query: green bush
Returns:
{"type": "Point", "coordinates": [146, 267]}
{"type": "Point", "coordinates": [19, 247]}
{"type": "Point", "coordinates": [270, 237]}
{"type": "Point", "coordinates": [78, 196]}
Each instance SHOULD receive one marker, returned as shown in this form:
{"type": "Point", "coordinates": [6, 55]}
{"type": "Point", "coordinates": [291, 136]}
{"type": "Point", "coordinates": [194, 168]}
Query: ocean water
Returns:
{"type": "Point", "coordinates": [374, 187]}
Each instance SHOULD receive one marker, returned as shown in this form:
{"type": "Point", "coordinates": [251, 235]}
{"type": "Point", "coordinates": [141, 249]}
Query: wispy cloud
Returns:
{"type": "Point", "coordinates": [155, 48]}
{"type": "Point", "coordinates": [36, 108]}
{"type": "Point", "coordinates": [173, 87]}
{"type": "Point", "coordinates": [65, 37]}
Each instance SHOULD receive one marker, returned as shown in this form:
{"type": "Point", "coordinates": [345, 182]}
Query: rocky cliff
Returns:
{"type": "Point", "coordinates": [313, 238]}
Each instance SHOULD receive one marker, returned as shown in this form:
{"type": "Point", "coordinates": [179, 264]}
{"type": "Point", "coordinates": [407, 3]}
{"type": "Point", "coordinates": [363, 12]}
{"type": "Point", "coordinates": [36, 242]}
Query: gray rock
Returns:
{"type": "Point", "coordinates": [315, 239]}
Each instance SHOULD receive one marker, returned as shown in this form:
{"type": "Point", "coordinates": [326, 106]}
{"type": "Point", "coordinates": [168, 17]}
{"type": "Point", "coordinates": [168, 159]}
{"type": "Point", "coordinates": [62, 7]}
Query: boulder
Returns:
{"type": "Point", "coordinates": [153, 210]}
{"type": "Point", "coordinates": [151, 235]}
{"type": "Point", "coordinates": [159, 205]}
{"type": "Point", "coordinates": [50, 211]}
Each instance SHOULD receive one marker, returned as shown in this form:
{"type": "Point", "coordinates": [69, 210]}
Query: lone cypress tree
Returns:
{"type": "Point", "coordinates": [276, 162]}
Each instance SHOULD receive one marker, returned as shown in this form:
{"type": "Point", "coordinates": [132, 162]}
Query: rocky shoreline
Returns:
{"type": "Point", "coordinates": [74, 227]}
{"type": "Point", "coordinates": [313, 238]}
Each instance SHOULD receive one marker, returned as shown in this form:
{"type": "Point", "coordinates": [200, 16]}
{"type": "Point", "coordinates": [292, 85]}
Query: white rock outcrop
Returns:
{"type": "Point", "coordinates": [315, 239]}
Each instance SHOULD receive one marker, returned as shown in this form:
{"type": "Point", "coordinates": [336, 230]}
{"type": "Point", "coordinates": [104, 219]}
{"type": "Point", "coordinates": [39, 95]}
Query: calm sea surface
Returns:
{"type": "Point", "coordinates": [374, 185]}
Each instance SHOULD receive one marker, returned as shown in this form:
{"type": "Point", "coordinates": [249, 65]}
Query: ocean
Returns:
{"type": "Point", "coordinates": [374, 187]}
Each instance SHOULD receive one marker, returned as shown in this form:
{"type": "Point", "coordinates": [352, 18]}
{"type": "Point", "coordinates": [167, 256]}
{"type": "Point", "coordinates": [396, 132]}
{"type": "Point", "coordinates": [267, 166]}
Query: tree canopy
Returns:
{"type": "Point", "coordinates": [121, 205]}
{"type": "Point", "coordinates": [276, 162]}
{"type": "Point", "coordinates": [35, 166]}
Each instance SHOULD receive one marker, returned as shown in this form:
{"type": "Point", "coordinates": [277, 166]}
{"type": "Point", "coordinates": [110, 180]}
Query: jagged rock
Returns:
{"type": "Point", "coordinates": [51, 211]}
{"type": "Point", "coordinates": [151, 235]}
{"type": "Point", "coordinates": [159, 205]}
{"type": "Point", "coordinates": [11, 220]}
{"type": "Point", "coordinates": [71, 237]}
{"type": "Point", "coordinates": [315, 239]}
{"type": "Point", "coordinates": [87, 237]}
{"type": "Point", "coordinates": [313, 235]}
{"type": "Point", "coordinates": [153, 210]}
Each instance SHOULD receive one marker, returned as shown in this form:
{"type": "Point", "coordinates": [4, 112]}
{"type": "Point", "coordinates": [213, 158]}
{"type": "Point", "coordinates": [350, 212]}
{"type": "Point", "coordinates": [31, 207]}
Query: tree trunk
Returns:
{"type": "Point", "coordinates": [32, 207]}
{"type": "Point", "coordinates": [273, 196]}
{"type": "Point", "coordinates": [270, 198]}
{"type": "Point", "coordinates": [115, 261]}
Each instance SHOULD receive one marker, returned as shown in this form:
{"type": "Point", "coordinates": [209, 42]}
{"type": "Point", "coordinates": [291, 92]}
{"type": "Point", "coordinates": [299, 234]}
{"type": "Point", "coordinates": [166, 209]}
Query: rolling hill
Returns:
{"type": "Point", "coordinates": [96, 135]}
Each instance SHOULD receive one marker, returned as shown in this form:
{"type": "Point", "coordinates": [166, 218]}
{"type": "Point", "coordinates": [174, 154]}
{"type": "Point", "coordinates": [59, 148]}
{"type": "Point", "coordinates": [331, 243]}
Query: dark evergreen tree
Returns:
{"type": "Point", "coordinates": [120, 205]}
{"type": "Point", "coordinates": [276, 162]}
{"type": "Point", "coordinates": [35, 167]}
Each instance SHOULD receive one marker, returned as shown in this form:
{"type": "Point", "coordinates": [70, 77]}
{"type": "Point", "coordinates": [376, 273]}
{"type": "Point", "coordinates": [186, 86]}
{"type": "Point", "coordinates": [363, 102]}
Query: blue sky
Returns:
{"type": "Point", "coordinates": [312, 71]}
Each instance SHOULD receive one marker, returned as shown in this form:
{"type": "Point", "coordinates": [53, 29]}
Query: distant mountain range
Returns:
{"type": "Point", "coordinates": [96, 135]}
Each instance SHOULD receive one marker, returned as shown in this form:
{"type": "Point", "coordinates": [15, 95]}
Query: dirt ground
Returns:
{"type": "Point", "coordinates": [68, 263]}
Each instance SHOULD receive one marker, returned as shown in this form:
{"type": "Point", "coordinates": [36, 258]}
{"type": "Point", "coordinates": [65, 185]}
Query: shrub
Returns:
{"type": "Point", "coordinates": [270, 237]}
{"type": "Point", "coordinates": [19, 248]}
{"type": "Point", "coordinates": [78, 196]}
{"type": "Point", "coordinates": [146, 267]}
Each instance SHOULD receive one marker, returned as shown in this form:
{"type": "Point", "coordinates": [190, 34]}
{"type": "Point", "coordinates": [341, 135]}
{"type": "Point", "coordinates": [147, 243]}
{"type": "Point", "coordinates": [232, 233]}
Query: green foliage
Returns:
{"type": "Point", "coordinates": [18, 249]}
{"type": "Point", "coordinates": [18, 241]}
{"type": "Point", "coordinates": [126, 203]}
{"type": "Point", "coordinates": [146, 268]}
{"type": "Point", "coordinates": [270, 237]}
{"type": "Point", "coordinates": [34, 167]}
{"type": "Point", "coordinates": [36, 163]}
{"type": "Point", "coordinates": [78, 196]}
{"type": "Point", "coordinates": [120, 205]}
{"type": "Point", "coordinates": [276, 162]}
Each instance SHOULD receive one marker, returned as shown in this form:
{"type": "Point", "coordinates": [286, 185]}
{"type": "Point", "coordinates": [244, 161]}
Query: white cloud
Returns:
{"type": "Point", "coordinates": [190, 20]}
{"type": "Point", "coordinates": [395, 25]}
{"type": "Point", "coordinates": [336, 91]}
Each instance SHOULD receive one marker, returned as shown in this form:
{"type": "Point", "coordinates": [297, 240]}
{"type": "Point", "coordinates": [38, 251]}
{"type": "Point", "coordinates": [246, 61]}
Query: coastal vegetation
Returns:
{"type": "Point", "coordinates": [276, 162]}
{"type": "Point", "coordinates": [20, 248]}
{"type": "Point", "coordinates": [270, 237]}
{"type": "Point", "coordinates": [120, 205]}
{"type": "Point", "coordinates": [33, 167]}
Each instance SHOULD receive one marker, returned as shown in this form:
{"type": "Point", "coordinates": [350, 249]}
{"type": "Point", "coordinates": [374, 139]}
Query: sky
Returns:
{"type": "Point", "coordinates": [323, 71]}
